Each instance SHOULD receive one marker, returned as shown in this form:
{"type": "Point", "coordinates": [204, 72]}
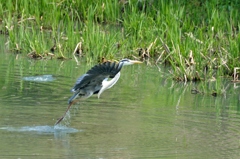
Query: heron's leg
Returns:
{"type": "Point", "coordinates": [76, 94]}
{"type": "Point", "coordinates": [87, 95]}
{"type": "Point", "coordinates": [69, 106]}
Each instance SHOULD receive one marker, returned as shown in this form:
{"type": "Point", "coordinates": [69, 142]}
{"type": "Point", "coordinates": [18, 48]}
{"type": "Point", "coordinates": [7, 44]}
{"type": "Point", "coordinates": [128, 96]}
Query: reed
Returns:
{"type": "Point", "coordinates": [198, 39]}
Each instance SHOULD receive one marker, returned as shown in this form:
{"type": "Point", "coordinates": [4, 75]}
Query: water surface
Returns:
{"type": "Point", "coordinates": [143, 116]}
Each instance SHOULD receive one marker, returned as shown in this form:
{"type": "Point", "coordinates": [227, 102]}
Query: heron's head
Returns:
{"type": "Point", "coordinates": [129, 62]}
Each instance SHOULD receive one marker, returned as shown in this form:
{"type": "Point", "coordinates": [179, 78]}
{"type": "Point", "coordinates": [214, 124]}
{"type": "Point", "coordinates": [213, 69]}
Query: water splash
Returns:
{"type": "Point", "coordinates": [42, 78]}
{"type": "Point", "coordinates": [42, 129]}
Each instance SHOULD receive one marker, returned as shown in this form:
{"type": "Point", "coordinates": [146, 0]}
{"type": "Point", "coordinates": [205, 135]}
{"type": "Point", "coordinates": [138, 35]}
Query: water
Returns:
{"type": "Point", "coordinates": [142, 116]}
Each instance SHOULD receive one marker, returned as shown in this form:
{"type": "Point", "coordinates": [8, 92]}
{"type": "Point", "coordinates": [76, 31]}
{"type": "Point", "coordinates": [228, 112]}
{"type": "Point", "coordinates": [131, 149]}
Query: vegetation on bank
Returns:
{"type": "Point", "coordinates": [199, 40]}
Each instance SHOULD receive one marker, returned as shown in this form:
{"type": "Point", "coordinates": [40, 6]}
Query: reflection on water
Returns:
{"type": "Point", "coordinates": [142, 116]}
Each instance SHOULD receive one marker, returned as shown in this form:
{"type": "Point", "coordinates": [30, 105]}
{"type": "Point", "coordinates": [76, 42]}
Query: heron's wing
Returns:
{"type": "Point", "coordinates": [107, 68]}
{"type": "Point", "coordinates": [97, 74]}
{"type": "Point", "coordinates": [81, 81]}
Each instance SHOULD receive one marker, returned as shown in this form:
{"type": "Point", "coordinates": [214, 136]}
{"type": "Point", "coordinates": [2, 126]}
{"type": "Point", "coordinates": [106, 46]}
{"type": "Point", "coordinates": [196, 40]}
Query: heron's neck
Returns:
{"type": "Point", "coordinates": [120, 65]}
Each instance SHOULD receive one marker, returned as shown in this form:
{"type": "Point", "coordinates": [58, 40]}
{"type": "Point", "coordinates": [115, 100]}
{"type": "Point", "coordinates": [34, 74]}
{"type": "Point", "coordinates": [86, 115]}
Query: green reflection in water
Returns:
{"type": "Point", "coordinates": [142, 116]}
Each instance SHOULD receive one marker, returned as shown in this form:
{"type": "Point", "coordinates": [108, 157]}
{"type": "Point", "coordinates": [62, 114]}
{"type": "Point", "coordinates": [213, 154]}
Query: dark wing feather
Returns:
{"type": "Point", "coordinates": [97, 74]}
{"type": "Point", "coordinates": [109, 68]}
{"type": "Point", "coordinates": [81, 81]}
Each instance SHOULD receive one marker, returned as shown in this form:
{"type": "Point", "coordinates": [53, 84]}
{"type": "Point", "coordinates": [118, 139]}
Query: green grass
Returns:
{"type": "Point", "coordinates": [199, 40]}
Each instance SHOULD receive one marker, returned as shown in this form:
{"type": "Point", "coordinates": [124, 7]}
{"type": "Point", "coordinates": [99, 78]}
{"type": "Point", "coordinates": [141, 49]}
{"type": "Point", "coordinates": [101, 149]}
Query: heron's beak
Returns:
{"type": "Point", "coordinates": [136, 62]}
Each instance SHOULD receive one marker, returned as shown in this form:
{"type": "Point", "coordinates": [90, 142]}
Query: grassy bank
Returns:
{"type": "Point", "coordinates": [199, 40]}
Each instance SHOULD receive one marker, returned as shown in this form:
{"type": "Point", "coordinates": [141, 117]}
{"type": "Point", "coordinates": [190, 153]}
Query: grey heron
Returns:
{"type": "Point", "coordinates": [96, 81]}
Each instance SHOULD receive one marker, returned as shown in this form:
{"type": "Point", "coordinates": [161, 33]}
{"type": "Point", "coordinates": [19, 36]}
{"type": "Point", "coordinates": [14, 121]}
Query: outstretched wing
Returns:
{"type": "Point", "coordinates": [97, 74]}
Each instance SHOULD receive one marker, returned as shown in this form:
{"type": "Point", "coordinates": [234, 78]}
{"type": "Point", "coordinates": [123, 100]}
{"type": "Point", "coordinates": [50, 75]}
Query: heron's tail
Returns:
{"type": "Point", "coordinates": [73, 97]}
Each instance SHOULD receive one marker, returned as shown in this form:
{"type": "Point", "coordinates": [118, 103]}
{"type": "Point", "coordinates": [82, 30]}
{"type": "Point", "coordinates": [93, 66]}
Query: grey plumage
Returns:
{"type": "Point", "coordinates": [91, 82]}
